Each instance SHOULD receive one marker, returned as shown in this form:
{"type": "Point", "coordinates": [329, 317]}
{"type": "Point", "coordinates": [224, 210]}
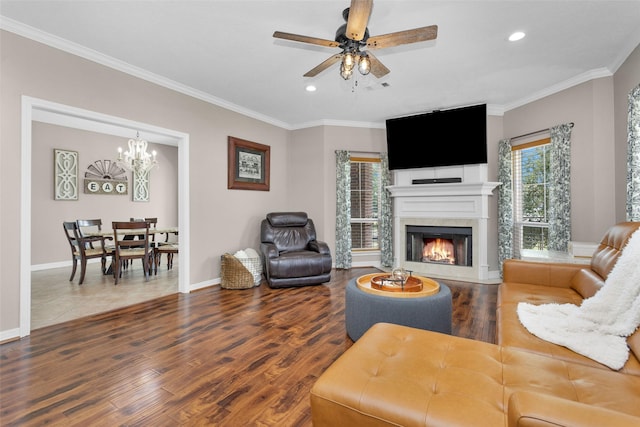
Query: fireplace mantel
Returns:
{"type": "Point", "coordinates": [457, 204]}
{"type": "Point", "coordinates": [451, 189]}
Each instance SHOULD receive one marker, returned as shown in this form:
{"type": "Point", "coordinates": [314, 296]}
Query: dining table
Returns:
{"type": "Point", "coordinates": [108, 235]}
{"type": "Point", "coordinates": [160, 230]}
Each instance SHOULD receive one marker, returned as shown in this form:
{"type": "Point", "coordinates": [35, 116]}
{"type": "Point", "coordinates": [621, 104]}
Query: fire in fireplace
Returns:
{"type": "Point", "coordinates": [438, 250]}
{"type": "Point", "coordinates": [441, 245]}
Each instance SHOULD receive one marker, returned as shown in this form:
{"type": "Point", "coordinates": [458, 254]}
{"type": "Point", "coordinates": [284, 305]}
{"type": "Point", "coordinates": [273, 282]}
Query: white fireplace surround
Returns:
{"type": "Point", "coordinates": [459, 204]}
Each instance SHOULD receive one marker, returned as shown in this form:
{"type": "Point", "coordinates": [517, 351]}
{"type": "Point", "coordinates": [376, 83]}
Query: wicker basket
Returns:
{"type": "Point", "coordinates": [234, 275]}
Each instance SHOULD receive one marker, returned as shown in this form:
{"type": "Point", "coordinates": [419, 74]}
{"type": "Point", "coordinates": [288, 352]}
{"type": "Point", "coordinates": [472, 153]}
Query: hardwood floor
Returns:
{"type": "Point", "coordinates": [212, 357]}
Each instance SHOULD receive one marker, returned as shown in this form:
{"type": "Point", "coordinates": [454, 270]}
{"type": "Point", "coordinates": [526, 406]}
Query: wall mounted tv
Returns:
{"type": "Point", "coordinates": [440, 138]}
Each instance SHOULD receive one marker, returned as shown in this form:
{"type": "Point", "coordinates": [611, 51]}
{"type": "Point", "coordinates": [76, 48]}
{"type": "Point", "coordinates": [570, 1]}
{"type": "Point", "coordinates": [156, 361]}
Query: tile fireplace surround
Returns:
{"type": "Point", "coordinates": [457, 204]}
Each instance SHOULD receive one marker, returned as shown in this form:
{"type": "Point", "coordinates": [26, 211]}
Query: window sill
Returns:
{"type": "Point", "coordinates": [365, 252]}
{"type": "Point", "coordinates": [552, 256]}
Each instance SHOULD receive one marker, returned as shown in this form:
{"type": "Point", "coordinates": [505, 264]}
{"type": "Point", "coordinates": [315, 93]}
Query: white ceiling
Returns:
{"type": "Point", "coordinates": [224, 52]}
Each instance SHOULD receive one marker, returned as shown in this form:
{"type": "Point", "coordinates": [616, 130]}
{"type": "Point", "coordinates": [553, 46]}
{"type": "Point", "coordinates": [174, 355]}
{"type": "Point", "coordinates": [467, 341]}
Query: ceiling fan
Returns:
{"type": "Point", "coordinates": [353, 38]}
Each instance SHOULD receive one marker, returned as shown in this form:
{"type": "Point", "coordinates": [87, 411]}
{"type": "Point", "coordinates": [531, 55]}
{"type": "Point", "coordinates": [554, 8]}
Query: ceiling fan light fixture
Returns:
{"type": "Point", "coordinates": [348, 61]}
{"type": "Point", "coordinates": [353, 36]}
{"type": "Point", "coordinates": [344, 73]}
{"type": "Point", "coordinates": [364, 64]}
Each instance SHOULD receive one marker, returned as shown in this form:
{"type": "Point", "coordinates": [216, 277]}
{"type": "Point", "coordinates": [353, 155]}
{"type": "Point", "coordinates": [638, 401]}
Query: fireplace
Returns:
{"type": "Point", "coordinates": [439, 245]}
{"type": "Point", "coordinates": [459, 212]}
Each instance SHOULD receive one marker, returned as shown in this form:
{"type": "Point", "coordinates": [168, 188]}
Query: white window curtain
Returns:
{"type": "Point", "coordinates": [633, 156]}
{"type": "Point", "coordinates": [343, 209]}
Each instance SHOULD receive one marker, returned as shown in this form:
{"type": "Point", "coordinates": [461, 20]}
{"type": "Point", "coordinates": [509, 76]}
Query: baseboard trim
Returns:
{"type": "Point", "coordinates": [9, 335]}
{"type": "Point", "coordinates": [205, 284]}
{"type": "Point", "coordinates": [59, 264]}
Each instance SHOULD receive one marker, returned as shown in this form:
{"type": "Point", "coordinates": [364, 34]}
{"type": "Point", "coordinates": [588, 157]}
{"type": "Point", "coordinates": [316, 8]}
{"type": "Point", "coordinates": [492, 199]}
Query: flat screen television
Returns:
{"type": "Point", "coordinates": [440, 138]}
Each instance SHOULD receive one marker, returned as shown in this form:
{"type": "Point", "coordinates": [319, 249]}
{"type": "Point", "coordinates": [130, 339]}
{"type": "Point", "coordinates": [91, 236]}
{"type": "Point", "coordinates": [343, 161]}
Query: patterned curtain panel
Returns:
{"type": "Point", "coordinates": [343, 209]}
{"type": "Point", "coordinates": [386, 216]}
{"type": "Point", "coordinates": [560, 188]}
{"type": "Point", "coordinates": [633, 156]}
{"type": "Point", "coordinates": [505, 202]}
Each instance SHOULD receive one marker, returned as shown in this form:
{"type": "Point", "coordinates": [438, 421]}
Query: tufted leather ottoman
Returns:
{"type": "Point", "coordinates": [399, 376]}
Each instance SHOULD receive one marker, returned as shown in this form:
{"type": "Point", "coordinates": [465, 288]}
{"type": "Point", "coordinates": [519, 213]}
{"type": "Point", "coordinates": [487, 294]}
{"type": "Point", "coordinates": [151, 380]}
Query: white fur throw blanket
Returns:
{"type": "Point", "coordinates": [598, 327]}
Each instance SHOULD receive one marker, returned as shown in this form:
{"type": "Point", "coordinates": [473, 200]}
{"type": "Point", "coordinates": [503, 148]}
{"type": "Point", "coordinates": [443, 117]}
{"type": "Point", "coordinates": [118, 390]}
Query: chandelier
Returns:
{"type": "Point", "coordinates": [137, 158]}
{"type": "Point", "coordinates": [352, 58]}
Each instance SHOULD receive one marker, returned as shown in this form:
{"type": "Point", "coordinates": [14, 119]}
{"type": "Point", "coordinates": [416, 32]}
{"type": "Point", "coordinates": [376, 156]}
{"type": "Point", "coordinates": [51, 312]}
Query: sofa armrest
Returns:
{"type": "Point", "coordinates": [269, 250]}
{"type": "Point", "coordinates": [320, 247]}
{"type": "Point", "coordinates": [528, 409]}
{"type": "Point", "coordinates": [540, 273]}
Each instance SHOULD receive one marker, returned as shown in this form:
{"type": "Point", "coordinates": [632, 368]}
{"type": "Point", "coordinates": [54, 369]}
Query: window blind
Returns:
{"type": "Point", "coordinates": [530, 196]}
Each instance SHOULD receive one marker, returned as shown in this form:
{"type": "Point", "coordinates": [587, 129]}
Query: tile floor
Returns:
{"type": "Point", "coordinates": [54, 299]}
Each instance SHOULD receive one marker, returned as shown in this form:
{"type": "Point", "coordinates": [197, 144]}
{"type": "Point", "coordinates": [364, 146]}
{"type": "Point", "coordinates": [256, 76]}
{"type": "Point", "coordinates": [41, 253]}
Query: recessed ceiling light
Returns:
{"type": "Point", "coordinates": [518, 35]}
{"type": "Point", "coordinates": [310, 88]}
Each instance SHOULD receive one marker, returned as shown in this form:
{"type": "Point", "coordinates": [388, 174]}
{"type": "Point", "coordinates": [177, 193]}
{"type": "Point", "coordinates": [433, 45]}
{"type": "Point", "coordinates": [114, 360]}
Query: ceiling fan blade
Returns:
{"type": "Point", "coordinates": [305, 39]}
{"type": "Point", "coordinates": [403, 37]}
{"type": "Point", "coordinates": [323, 65]}
{"type": "Point", "coordinates": [358, 18]}
{"type": "Point", "coordinates": [377, 68]}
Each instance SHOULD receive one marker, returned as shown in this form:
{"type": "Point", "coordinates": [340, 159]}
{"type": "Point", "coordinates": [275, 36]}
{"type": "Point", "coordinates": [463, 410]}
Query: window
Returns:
{"type": "Point", "coordinates": [365, 202]}
{"type": "Point", "coordinates": [531, 196]}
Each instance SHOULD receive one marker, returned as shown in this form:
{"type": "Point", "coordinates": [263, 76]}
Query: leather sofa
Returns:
{"type": "Point", "coordinates": [399, 376]}
{"type": "Point", "coordinates": [292, 256]}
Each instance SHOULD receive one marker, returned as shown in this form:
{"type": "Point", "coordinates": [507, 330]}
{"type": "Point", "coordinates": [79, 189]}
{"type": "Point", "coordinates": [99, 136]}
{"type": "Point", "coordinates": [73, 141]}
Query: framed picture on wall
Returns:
{"type": "Point", "coordinates": [65, 174]}
{"type": "Point", "coordinates": [248, 165]}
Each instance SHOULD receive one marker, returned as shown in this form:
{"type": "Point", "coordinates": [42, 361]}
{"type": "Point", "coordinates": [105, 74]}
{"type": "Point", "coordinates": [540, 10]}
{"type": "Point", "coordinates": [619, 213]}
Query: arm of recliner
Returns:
{"type": "Point", "coordinates": [540, 273]}
{"type": "Point", "coordinates": [320, 247]}
{"type": "Point", "coordinates": [529, 409]}
{"type": "Point", "coordinates": [269, 250]}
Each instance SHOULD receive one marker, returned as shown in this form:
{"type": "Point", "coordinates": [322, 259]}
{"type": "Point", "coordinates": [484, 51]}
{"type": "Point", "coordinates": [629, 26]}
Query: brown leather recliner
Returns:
{"type": "Point", "coordinates": [292, 255]}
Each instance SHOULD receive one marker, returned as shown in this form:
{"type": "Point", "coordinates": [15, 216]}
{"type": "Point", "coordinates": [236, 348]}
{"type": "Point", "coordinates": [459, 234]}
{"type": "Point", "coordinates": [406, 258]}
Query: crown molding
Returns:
{"type": "Point", "coordinates": [108, 61]}
{"type": "Point", "coordinates": [343, 123]}
{"type": "Point", "coordinates": [95, 56]}
{"type": "Point", "coordinates": [559, 87]}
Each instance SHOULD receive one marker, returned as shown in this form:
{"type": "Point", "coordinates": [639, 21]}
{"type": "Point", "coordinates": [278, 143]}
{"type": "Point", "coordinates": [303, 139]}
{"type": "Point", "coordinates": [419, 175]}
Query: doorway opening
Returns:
{"type": "Point", "coordinates": [39, 110]}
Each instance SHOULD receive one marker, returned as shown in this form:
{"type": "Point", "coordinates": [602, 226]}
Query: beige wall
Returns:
{"type": "Point", "coordinates": [625, 80]}
{"type": "Point", "coordinates": [306, 176]}
{"type": "Point", "coordinates": [302, 161]}
{"type": "Point", "coordinates": [221, 220]}
{"type": "Point", "coordinates": [47, 213]}
{"type": "Point", "coordinates": [361, 140]}
{"type": "Point", "coordinates": [590, 107]}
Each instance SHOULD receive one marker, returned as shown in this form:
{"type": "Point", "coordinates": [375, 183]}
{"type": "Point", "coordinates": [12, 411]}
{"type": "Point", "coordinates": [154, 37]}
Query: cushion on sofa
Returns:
{"type": "Point", "coordinates": [511, 333]}
{"type": "Point", "coordinates": [608, 251]}
{"type": "Point", "coordinates": [539, 273]}
{"type": "Point", "coordinates": [587, 283]}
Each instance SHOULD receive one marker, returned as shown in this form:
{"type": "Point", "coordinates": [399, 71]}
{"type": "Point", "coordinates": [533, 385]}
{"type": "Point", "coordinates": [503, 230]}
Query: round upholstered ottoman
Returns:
{"type": "Point", "coordinates": [363, 310]}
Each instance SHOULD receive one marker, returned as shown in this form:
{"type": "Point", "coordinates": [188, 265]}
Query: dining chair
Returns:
{"type": "Point", "coordinates": [169, 248]}
{"type": "Point", "coordinates": [127, 249]}
{"type": "Point", "coordinates": [84, 248]}
{"type": "Point", "coordinates": [152, 236]}
{"type": "Point", "coordinates": [94, 226]}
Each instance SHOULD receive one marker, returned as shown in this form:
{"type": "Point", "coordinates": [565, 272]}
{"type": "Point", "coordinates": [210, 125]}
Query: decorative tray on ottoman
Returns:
{"type": "Point", "coordinates": [386, 282]}
{"type": "Point", "coordinates": [414, 287]}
